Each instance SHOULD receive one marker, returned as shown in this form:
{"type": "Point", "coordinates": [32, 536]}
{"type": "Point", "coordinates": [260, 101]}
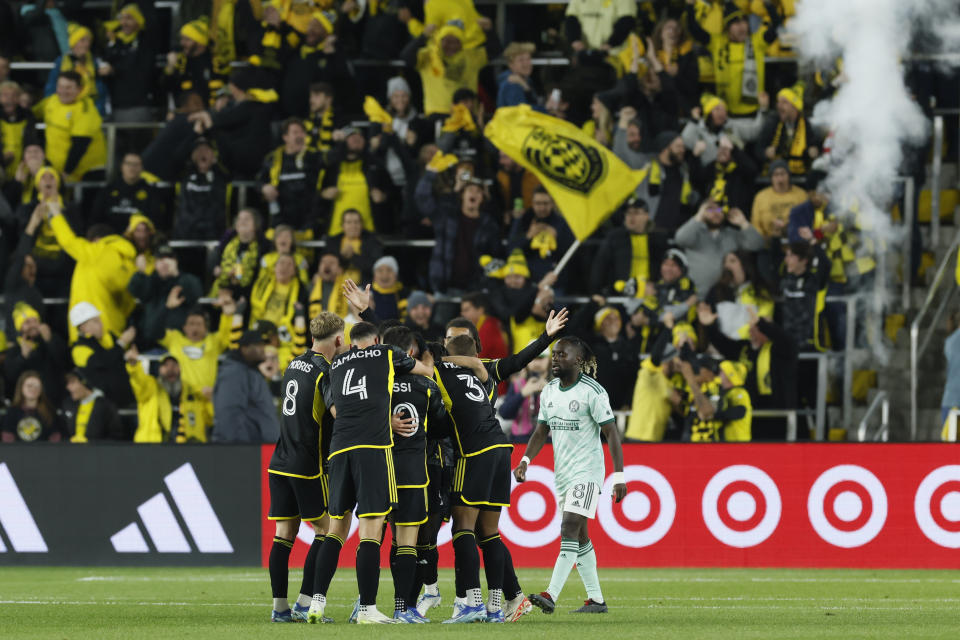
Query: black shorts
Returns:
{"type": "Point", "coordinates": [362, 478]}
{"type": "Point", "coordinates": [411, 508]}
{"type": "Point", "coordinates": [483, 480]}
{"type": "Point", "coordinates": [438, 491]}
{"type": "Point", "coordinates": [292, 497]}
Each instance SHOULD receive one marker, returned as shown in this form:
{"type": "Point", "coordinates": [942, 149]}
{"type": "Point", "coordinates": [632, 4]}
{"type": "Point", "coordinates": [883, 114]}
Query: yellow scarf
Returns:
{"type": "Point", "coordinates": [544, 242]}
{"type": "Point", "coordinates": [336, 303]}
{"type": "Point", "coordinates": [764, 386]}
{"type": "Point", "coordinates": [87, 70]}
{"type": "Point", "coordinates": [377, 113]}
{"type": "Point", "coordinates": [797, 146]}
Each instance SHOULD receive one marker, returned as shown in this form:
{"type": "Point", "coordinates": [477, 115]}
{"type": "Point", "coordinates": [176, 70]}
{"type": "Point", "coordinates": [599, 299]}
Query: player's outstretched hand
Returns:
{"type": "Point", "coordinates": [359, 298]}
{"type": "Point", "coordinates": [520, 473]}
{"type": "Point", "coordinates": [401, 426]}
{"type": "Point", "coordinates": [556, 321]}
{"type": "Point", "coordinates": [619, 492]}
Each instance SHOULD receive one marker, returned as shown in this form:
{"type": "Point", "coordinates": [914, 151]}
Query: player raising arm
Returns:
{"type": "Point", "coordinates": [575, 409]}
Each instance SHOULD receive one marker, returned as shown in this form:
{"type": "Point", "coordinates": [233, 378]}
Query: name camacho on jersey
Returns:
{"type": "Point", "coordinates": [305, 423]}
{"type": "Point", "coordinates": [419, 398]}
{"type": "Point", "coordinates": [361, 387]}
{"type": "Point", "coordinates": [475, 426]}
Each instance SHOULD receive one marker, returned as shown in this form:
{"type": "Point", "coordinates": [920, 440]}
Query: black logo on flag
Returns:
{"type": "Point", "coordinates": [564, 160]}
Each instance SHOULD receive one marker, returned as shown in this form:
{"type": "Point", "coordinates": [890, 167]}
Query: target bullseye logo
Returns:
{"type": "Point", "coordinates": [535, 506]}
{"type": "Point", "coordinates": [847, 506]}
{"type": "Point", "coordinates": [936, 506]}
{"type": "Point", "coordinates": [741, 506]}
{"type": "Point", "coordinates": [646, 513]}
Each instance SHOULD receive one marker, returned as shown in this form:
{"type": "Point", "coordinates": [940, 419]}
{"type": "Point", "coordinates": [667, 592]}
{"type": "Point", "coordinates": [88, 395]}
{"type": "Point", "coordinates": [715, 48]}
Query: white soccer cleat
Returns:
{"type": "Point", "coordinates": [426, 602]}
{"type": "Point", "coordinates": [373, 616]}
{"type": "Point", "coordinates": [514, 609]}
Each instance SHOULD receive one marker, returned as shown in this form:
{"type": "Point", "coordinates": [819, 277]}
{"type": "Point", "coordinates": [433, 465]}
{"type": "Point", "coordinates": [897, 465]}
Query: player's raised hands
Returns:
{"type": "Point", "coordinates": [359, 298]}
{"type": "Point", "coordinates": [556, 321]}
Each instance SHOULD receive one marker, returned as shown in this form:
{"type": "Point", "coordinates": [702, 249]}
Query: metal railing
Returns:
{"type": "Point", "coordinates": [883, 431]}
{"type": "Point", "coordinates": [935, 172]}
{"type": "Point", "coordinates": [918, 347]}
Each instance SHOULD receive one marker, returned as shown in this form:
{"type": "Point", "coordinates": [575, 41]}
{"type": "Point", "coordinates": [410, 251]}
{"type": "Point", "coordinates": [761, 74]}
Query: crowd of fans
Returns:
{"type": "Point", "coordinates": [704, 287]}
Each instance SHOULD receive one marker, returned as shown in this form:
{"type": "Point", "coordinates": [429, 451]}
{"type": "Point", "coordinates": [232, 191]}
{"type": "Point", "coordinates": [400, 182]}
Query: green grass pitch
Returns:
{"type": "Point", "coordinates": [78, 603]}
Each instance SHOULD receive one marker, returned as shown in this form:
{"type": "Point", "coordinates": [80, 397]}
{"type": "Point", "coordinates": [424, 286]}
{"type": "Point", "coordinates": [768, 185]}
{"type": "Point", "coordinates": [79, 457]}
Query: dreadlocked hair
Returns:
{"type": "Point", "coordinates": [588, 361]}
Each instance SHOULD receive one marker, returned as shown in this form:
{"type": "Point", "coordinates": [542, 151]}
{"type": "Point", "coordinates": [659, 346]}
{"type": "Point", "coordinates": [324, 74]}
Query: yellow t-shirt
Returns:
{"type": "Point", "coordinates": [354, 194]}
{"type": "Point", "coordinates": [198, 360]}
{"type": "Point", "coordinates": [64, 122]}
{"type": "Point", "coordinates": [768, 205]}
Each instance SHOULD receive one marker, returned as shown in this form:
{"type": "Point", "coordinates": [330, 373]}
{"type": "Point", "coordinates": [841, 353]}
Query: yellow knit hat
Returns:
{"type": "Point", "coordinates": [22, 311]}
{"type": "Point", "coordinates": [134, 12]}
{"type": "Point", "coordinates": [197, 30]}
{"type": "Point", "coordinates": [793, 95]}
{"type": "Point", "coordinates": [736, 372]}
{"type": "Point", "coordinates": [76, 33]}
{"type": "Point", "coordinates": [516, 265]}
{"type": "Point", "coordinates": [602, 315]}
{"type": "Point", "coordinates": [709, 102]}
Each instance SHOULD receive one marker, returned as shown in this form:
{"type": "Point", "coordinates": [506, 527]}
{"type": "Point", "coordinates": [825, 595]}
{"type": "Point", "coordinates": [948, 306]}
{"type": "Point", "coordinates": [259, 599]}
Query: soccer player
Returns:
{"type": "Point", "coordinates": [575, 410]}
{"type": "Point", "coordinates": [418, 399]}
{"type": "Point", "coordinates": [360, 462]}
{"type": "Point", "coordinates": [496, 371]}
{"type": "Point", "coordinates": [298, 484]}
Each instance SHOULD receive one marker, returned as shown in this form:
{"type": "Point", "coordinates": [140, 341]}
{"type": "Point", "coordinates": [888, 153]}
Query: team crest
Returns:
{"type": "Point", "coordinates": [569, 162]}
{"type": "Point", "coordinates": [141, 195]}
{"type": "Point", "coordinates": [574, 405]}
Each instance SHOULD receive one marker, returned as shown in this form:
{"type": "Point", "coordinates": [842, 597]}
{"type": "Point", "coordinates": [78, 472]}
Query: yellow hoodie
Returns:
{"type": "Point", "coordinates": [155, 410]}
{"type": "Point", "coordinates": [442, 75]}
{"type": "Point", "coordinates": [104, 268]}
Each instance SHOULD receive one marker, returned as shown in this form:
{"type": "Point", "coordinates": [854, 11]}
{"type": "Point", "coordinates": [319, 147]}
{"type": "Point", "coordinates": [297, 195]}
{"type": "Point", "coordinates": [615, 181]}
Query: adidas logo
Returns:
{"type": "Point", "coordinates": [15, 518]}
{"type": "Point", "coordinates": [576, 503]}
{"type": "Point", "coordinates": [165, 531]}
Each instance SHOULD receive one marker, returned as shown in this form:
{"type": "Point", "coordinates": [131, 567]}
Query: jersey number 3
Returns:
{"type": "Point", "coordinates": [360, 388]}
{"type": "Point", "coordinates": [476, 392]}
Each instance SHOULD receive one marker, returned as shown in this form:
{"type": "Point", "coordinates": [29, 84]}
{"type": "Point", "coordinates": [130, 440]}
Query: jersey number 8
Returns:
{"type": "Point", "coordinates": [289, 398]}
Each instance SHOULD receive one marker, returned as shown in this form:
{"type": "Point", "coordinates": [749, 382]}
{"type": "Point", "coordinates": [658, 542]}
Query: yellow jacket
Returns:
{"type": "Point", "coordinates": [64, 122]}
{"type": "Point", "coordinates": [728, 59]}
{"type": "Point", "coordinates": [442, 76]}
{"type": "Point", "coordinates": [103, 269]}
{"type": "Point", "coordinates": [198, 360]}
{"type": "Point", "coordinates": [440, 12]}
{"type": "Point", "coordinates": [651, 404]}
{"type": "Point", "coordinates": [155, 410]}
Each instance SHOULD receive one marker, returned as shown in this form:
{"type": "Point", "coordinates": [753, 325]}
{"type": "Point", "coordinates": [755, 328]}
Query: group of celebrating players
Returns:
{"type": "Point", "coordinates": [405, 432]}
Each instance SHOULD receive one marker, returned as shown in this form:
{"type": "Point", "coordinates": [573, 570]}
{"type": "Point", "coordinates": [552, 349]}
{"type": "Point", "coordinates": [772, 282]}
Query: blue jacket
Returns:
{"type": "Point", "coordinates": [510, 94]}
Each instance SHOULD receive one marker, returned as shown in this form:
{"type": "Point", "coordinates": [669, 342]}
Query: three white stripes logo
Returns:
{"type": "Point", "coordinates": [161, 523]}
{"type": "Point", "coordinates": [16, 519]}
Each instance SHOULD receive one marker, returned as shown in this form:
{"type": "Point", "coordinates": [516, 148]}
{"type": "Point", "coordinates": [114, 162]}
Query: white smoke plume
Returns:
{"type": "Point", "coordinates": [872, 114]}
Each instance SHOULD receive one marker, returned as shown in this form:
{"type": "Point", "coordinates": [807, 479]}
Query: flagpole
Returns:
{"type": "Point", "coordinates": [566, 257]}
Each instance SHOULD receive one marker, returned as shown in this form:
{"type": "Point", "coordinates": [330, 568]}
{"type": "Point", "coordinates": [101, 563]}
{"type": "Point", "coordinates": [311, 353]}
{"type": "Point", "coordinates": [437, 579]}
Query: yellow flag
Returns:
{"type": "Point", "coordinates": [586, 180]}
{"type": "Point", "coordinates": [376, 113]}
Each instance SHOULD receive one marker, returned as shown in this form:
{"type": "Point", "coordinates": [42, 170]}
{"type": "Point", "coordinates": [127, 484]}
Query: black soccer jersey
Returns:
{"type": "Point", "coordinates": [361, 385]}
{"type": "Point", "coordinates": [305, 423]}
{"type": "Point", "coordinates": [475, 425]}
{"type": "Point", "coordinates": [417, 397]}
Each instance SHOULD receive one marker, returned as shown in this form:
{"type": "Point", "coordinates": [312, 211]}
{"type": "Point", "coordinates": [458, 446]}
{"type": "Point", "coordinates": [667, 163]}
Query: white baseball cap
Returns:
{"type": "Point", "coordinates": [81, 312]}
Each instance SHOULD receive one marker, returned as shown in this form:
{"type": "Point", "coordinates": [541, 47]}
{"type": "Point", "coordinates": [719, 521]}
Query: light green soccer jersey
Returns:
{"type": "Point", "coordinates": [574, 415]}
